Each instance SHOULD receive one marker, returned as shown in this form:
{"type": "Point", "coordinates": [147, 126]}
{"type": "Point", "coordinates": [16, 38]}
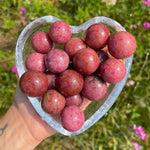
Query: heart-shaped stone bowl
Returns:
{"type": "Point", "coordinates": [95, 110]}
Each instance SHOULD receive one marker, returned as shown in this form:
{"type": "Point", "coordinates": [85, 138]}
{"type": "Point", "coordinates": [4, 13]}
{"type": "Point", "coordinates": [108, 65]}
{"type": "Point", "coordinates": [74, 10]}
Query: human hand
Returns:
{"type": "Point", "coordinates": [22, 127]}
{"type": "Point", "coordinates": [38, 128]}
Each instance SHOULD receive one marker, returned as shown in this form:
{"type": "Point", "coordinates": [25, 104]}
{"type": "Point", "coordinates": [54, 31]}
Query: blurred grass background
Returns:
{"type": "Point", "coordinates": [114, 130]}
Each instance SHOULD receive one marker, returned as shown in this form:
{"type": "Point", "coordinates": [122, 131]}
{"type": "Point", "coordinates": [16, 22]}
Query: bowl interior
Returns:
{"type": "Point", "coordinates": [96, 109]}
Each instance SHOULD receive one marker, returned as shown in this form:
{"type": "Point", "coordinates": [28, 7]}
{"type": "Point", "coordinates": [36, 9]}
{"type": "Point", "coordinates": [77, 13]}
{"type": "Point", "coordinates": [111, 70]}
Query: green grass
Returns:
{"type": "Point", "coordinates": [132, 106]}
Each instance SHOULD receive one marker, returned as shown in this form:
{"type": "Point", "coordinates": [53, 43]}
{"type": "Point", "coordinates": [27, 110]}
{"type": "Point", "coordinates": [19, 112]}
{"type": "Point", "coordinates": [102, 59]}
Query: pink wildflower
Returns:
{"type": "Point", "coordinates": [23, 10]}
{"type": "Point", "coordinates": [139, 132]}
{"type": "Point", "coordinates": [136, 145]}
{"type": "Point", "coordinates": [146, 25]}
{"type": "Point", "coordinates": [143, 136]}
{"type": "Point", "coordinates": [15, 70]}
{"type": "Point", "coordinates": [130, 83]}
{"type": "Point", "coordinates": [147, 2]}
{"type": "Point", "coordinates": [133, 26]}
{"type": "Point", "coordinates": [134, 126]}
{"type": "Point", "coordinates": [23, 18]}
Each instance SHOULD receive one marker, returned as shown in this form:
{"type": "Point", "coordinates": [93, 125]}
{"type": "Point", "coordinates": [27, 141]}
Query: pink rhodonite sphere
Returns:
{"type": "Point", "coordinates": [41, 42]}
{"type": "Point", "coordinates": [69, 82]}
{"type": "Point", "coordinates": [113, 70]}
{"type": "Point", "coordinates": [94, 88]}
{"type": "Point", "coordinates": [97, 36]}
{"type": "Point", "coordinates": [74, 45]}
{"type": "Point", "coordinates": [35, 61]}
{"type": "Point", "coordinates": [72, 118]}
{"type": "Point", "coordinates": [122, 45]}
{"type": "Point", "coordinates": [60, 32]}
{"type": "Point", "coordinates": [53, 102]}
{"type": "Point", "coordinates": [86, 61]}
{"type": "Point", "coordinates": [74, 100]}
{"type": "Point", "coordinates": [33, 83]}
{"type": "Point", "coordinates": [57, 61]}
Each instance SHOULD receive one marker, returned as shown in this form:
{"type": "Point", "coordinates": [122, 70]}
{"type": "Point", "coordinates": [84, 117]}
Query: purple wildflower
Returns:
{"type": "Point", "coordinates": [23, 10]}
{"type": "Point", "coordinates": [15, 70]}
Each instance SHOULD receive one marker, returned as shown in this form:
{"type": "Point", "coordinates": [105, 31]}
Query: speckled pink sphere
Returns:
{"type": "Point", "coordinates": [35, 61]}
{"type": "Point", "coordinates": [94, 88]}
{"type": "Point", "coordinates": [86, 61]}
{"type": "Point", "coordinates": [53, 102]}
{"type": "Point", "coordinates": [57, 61]}
{"type": "Point", "coordinates": [60, 32]}
{"type": "Point", "coordinates": [122, 45]}
{"type": "Point", "coordinates": [72, 118]}
{"type": "Point", "coordinates": [74, 100]}
{"type": "Point", "coordinates": [74, 45]}
{"type": "Point", "coordinates": [41, 42]}
{"type": "Point", "coordinates": [97, 36]}
{"type": "Point", "coordinates": [69, 82]}
{"type": "Point", "coordinates": [51, 80]}
{"type": "Point", "coordinates": [113, 70]}
{"type": "Point", "coordinates": [33, 83]}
